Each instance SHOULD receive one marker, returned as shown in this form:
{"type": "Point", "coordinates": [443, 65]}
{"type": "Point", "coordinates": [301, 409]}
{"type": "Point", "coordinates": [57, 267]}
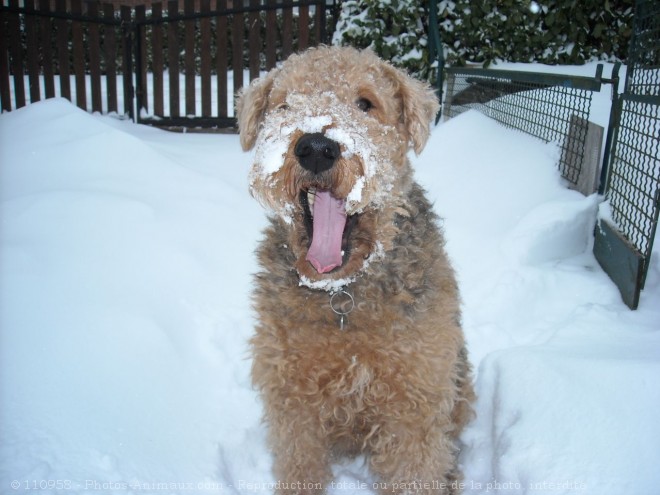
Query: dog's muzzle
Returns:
{"type": "Point", "coordinates": [325, 214]}
{"type": "Point", "coordinates": [316, 153]}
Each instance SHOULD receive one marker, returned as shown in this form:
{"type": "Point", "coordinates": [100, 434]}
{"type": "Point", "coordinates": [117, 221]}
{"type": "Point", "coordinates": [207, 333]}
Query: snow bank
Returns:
{"type": "Point", "coordinates": [119, 268]}
{"type": "Point", "coordinates": [124, 295]}
{"type": "Point", "coordinates": [566, 405]}
{"type": "Point", "coordinates": [551, 423]}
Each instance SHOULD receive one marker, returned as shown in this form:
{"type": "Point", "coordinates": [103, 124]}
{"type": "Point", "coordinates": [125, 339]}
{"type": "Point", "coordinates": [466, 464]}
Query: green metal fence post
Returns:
{"type": "Point", "coordinates": [614, 118]}
{"type": "Point", "coordinates": [436, 53]}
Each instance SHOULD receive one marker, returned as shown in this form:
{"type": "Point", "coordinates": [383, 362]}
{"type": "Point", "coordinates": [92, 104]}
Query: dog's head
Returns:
{"type": "Point", "coordinates": [331, 128]}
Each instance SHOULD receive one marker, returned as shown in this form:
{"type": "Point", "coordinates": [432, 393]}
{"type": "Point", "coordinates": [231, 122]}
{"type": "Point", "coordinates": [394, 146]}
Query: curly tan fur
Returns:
{"type": "Point", "coordinates": [395, 384]}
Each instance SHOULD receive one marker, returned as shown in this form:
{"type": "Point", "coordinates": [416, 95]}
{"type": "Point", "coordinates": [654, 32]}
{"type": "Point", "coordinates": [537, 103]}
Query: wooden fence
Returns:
{"type": "Point", "coordinates": [173, 64]}
{"type": "Point", "coordinates": [49, 45]}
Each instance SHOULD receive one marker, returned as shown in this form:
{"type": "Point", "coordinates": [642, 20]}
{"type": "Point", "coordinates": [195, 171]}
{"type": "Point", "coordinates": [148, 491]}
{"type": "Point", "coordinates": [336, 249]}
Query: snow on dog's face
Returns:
{"type": "Point", "coordinates": [331, 128]}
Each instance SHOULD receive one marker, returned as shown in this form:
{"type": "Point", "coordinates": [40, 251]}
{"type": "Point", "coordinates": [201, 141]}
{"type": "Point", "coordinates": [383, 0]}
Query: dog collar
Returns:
{"type": "Point", "coordinates": [342, 303]}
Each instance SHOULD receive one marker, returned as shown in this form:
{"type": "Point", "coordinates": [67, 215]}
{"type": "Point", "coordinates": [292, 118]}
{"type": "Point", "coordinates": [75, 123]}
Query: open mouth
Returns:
{"type": "Point", "coordinates": [328, 227]}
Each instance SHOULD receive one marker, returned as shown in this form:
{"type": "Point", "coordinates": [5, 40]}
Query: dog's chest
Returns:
{"type": "Point", "coordinates": [348, 370]}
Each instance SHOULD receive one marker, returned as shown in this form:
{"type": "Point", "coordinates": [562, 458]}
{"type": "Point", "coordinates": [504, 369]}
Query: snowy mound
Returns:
{"type": "Point", "coordinates": [556, 406]}
{"type": "Point", "coordinates": [547, 426]}
{"type": "Point", "coordinates": [122, 271]}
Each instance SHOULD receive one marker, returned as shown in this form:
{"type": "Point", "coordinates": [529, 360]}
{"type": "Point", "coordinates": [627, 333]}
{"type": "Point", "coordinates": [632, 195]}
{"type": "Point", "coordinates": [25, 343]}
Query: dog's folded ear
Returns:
{"type": "Point", "coordinates": [251, 107]}
{"type": "Point", "coordinates": [420, 106]}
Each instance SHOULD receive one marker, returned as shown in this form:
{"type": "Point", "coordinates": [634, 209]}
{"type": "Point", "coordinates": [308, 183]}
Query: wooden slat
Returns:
{"type": "Point", "coordinates": [237, 50]}
{"type": "Point", "coordinates": [109, 56]}
{"type": "Point", "coordinates": [127, 59]}
{"type": "Point", "coordinates": [33, 50]}
{"type": "Point", "coordinates": [287, 30]}
{"type": "Point", "coordinates": [173, 58]}
{"type": "Point", "coordinates": [46, 41]}
{"type": "Point", "coordinates": [15, 50]}
{"type": "Point", "coordinates": [157, 58]}
{"type": "Point", "coordinates": [94, 44]}
{"type": "Point", "coordinates": [271, 35]}
{"type": "Point", "coordinates": [189, 61]}
{"type": "Point", "coordinates": [303, 27]}
{"type": "Point", "coordinates": [221, 64]}
{"type": "Point", "coordinates": [254, 28]}
{"type": "Point", "coordinates": [318, 23]}
{"type": "Point", "coordinates": [64, 70]}
{"type": "Point", "coordinates": [78, 55]}
{"type": "Point", "coordinates": [140, 16]}
{"type": "Point", "coordinates": [205, 34]}
{"type": "Point", "coordinates": [5, 90]}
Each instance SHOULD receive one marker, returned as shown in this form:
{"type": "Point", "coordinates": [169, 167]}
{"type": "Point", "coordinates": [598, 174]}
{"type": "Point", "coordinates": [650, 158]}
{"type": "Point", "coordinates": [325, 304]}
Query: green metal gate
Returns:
{"type": "Point", "coordinates": [624, 241]}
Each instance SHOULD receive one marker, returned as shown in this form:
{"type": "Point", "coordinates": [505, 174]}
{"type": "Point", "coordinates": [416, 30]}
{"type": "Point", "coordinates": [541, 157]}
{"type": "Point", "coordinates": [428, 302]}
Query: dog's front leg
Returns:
{"type": "Point", "coordinates": [302, 460]}
{"type": "Point", "coordinates": [413, 459]}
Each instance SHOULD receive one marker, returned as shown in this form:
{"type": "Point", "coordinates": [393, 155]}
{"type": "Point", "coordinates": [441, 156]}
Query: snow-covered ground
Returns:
{"type": "Point", "coordinates": [124, 315]}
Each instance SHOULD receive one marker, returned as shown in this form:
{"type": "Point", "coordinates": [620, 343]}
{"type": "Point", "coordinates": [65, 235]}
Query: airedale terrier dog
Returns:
{"type": "Point", "coordinates": [358, 347]}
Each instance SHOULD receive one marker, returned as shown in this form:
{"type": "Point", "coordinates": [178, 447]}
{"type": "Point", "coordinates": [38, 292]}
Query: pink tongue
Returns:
{"type": "Point", "coordinates": [329, 222]}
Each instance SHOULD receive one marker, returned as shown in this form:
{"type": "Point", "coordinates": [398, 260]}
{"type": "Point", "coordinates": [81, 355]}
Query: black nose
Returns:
{"type": "Point", "coordinates": [316, 152]}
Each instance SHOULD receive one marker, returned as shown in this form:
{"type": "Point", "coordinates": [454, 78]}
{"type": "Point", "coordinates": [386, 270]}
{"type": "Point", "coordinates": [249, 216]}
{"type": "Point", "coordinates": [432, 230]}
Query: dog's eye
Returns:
{"type": "Point", "coordinates": [283, 106]}
{"type": "Point", "coordinates": [364, 104]}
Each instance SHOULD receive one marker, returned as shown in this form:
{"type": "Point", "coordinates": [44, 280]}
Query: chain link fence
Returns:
{"type": "Point", "coordinates": [633, 183]}
{"type": "Point", "coordinates": [551, 107]}
{"type": "Point", "coordinates": [555, 108]}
